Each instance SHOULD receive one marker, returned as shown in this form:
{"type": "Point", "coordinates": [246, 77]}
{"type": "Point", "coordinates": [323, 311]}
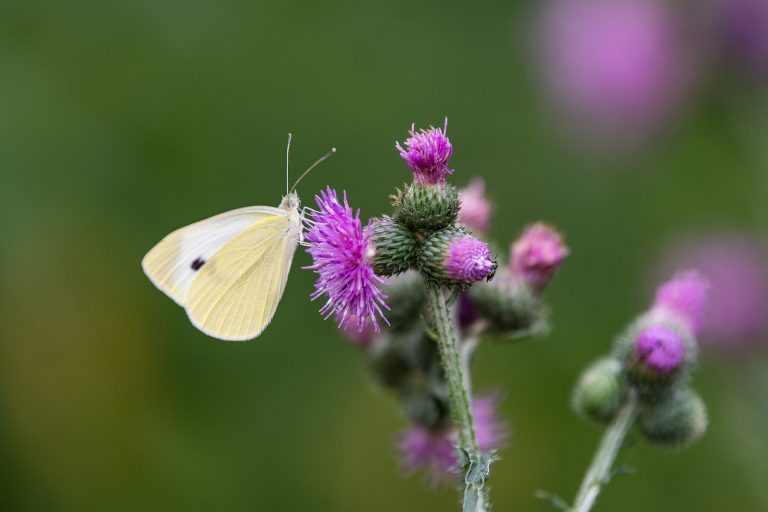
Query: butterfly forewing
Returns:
{"type": "Point", "coordinates": [235, 294]}
{"type": "Point", "coordinates": [174, 262]}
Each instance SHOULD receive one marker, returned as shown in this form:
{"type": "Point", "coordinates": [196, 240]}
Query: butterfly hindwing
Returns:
{"type": "Point", "coordinates": [235, 294]}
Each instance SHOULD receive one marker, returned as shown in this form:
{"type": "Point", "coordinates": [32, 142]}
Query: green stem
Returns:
{"type": "Point", "coordinates": [599, 471]}
{"type": "Point", "coordinates": [448, 344]}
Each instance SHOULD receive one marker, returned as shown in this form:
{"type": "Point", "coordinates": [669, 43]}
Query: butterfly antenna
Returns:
{"type": "Point", "coordinates": [321, 159]}
{"type": "Point", "coordinates": [287, 155]}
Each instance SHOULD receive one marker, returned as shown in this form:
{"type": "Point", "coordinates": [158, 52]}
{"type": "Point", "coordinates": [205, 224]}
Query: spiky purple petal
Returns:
{"type": "Point", "coordinates": [339, 246]}
{"type": "Point", "coordinates": [469, 260]}
{"type": "Point", "coordinates": [427, 153]}
{"type": "Point", "coordinates": [684, 295]}
{"type": "Point", "coordinates": [435, 451]}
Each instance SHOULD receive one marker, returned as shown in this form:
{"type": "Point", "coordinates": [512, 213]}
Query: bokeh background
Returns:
{"type": "Point", "coordinates": [637, 127]}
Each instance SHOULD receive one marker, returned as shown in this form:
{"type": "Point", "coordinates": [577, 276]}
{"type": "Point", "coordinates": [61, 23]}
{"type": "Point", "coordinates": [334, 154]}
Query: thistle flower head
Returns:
{"type": "Point", "coordinates": [537, 254]}
{"type": "Point", "coordinates": [475, 210]}
{"type": "Point", "coordinates": [469, 260]}
{"type": "Point", "coordinates": [659, 350]}
{"type": "Point", "coordinates": [454, 257]}
{"type": "Point", "coordinates": [734, 263]}
{"type": "Point", "coordinates": [361, 338]}
{"type": "Point", "coordinates": [427, 153]}
{"type": "Point", "coordinates": [743, 24]}
{"type": "Point", "coordinates": [684, 295]}
{"type": "Point", "coordinates": [435, 451]}
{"type": "Point", "coordinates": [340, 250]}
{"type": "Point", "coordinates": [625, 65]}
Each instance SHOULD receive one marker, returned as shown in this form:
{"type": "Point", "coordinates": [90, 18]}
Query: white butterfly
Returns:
{"type": "Point", "coordinates": [229, 271]}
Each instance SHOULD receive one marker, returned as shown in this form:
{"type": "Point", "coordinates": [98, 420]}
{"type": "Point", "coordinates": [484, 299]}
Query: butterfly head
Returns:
{"type": "Point", "coordinates": [291, 201]}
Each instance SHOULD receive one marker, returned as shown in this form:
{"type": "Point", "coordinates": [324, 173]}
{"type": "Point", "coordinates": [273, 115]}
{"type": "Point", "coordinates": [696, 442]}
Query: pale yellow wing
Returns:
{"type": "Point", "coordinates": [174, 262]}
{"type": "Point", "coordinates": [235, 294]}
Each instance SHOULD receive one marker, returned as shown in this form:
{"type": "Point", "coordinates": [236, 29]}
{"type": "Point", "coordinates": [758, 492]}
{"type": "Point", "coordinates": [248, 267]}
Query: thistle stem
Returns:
{"type": "Point", "coordinates": [448, 344]}
{"type": "Point", "coordinates": [599, 471]}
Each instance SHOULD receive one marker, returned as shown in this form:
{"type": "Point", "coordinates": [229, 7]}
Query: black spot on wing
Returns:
{"type": "Point", "coordinates": [199, 262]}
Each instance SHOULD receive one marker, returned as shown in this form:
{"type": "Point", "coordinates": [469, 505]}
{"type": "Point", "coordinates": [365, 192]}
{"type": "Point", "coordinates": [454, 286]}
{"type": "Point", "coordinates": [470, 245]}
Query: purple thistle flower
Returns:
{"type": "Point", "coordinates": [435, 451]}
{"type": "Point", "coordinates": [735, 264]}
{"type": "Point", "coordinates": [743, 24]}
{"type": "Point", "coordinates": [361, 338]}
{"type": "Point", "coordinates": [340, 252]}
{"type": "Point", "coordinates": [659, 349]}
{"type": "Point", "coordinates": [492, 432]}
{"type": "Point", "coordinates": [468, 260]}
{"type": "Point", "coordinates": [684, 295]}
{"type": "Point", "coordinates": [537, 254]}
{"type": "Point", "coordinates": [427, 153]}
{"type": "Point", "coordinates": [622, 65]}
{"type": "Point", "coordinates": [475, 211]}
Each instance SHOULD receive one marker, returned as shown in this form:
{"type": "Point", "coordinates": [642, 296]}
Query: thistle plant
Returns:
{"type": "Point", "coordinates": [417, 290]}
{"type": "Point", "coordinates": [644, 382]}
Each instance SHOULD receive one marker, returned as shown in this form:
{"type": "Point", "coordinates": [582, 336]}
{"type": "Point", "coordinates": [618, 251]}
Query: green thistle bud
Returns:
{"type": "Point", "coordinates": [406, 296]}
{"type": "Point", "coordinates": [395, 247]}
{"type": "Point", "coordinates": [424, 407]}
{"type": "Point", "coordinates": [453, 257]}
{"type": "Point", "coordinates": [510, 306]}
{"type": "Point", "coordinates": [676, 422]}
{"type": "Point", "coordinates": [398, 359]}
{"type": "Point", "coordinates": [426, 209]}
{"type": "Point", "coordinates": [389, 365]}
{"type": "Point", "coordinates": [600, 391]}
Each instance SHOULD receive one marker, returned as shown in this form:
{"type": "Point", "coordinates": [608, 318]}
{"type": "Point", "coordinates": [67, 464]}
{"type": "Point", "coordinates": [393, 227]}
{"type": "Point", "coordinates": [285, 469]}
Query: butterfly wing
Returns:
{"type": "Point", "coordinates": [175, 261]}
{"type": "Point", "coordinates": [235, 294]}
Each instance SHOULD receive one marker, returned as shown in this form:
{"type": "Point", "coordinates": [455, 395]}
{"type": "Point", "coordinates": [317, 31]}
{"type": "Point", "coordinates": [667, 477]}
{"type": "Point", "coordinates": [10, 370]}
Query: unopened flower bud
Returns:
{"type": "Point", "coordinates": [389, 363]}
{"type": "Point", "coordinates": [600, 391]}
{"type": "Point", "coordinates": [537, 254]}
{"type": "Point", "coordinates": [423, 407]}
{"type": "Point", "coordinates": [475, 210]}
{"type": "Point", "coordinates": [454, 257]}
{"type": "Point", "coordinates": [676, 422]}
{"type": "Point", "coordinates": [426, 209]}
{"type": "Point", "coordinates": [407, 296]}
{"type": "Point", "coordinates": [394, 247]}
{"type": "Point", "coordinates": [509, 306]}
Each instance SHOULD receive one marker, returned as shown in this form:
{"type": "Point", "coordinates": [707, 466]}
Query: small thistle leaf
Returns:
{"type": "Point", "coordinates": [622, 469]}
{"type": "Point", "coordinates": [554, 500]}
{"type": "Point", "coordinates": [479, 469]}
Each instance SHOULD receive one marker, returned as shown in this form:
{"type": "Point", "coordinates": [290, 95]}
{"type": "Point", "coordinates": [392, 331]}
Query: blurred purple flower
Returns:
{"type": "Point", "coordinates": [537, 254]}
{"type": "Point", "coordinates": [659, 349]}
{"type": "Point", "coordinates": [684, 295]}
{"type": "Point", "coordinates": [743, 25]}
{"type": "Point", "coordinates": [435, 451]}
{"type": "Point", "coordinates": [619, 67]}
{"type": "Point", "coordinates": [736, 265]}
{"type": "Point", "coordinates": [339, 248]}
{"type": "Point", "coordinates": [475, 211]}
{"type": "Point", "coordinates": [427, 153]}
{"type": "Point", "coordinates": [468, 314]}
{"type": "Point", "coordinates": [469, 260]}
{"type": "Point", "coordinates": [360, 338]}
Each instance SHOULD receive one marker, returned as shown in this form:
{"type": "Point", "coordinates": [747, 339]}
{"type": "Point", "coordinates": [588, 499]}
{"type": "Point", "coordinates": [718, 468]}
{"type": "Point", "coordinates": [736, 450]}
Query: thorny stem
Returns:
{"type": "Point", "coordinates": [466, 351]}
{"type": "Point", "coordinates": [448, 344]}
{"type": "Point", "coordinates": [599, 471]}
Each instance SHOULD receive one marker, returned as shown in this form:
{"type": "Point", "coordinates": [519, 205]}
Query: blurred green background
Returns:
{"type": "Point", "coordinates": [123, 120]}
